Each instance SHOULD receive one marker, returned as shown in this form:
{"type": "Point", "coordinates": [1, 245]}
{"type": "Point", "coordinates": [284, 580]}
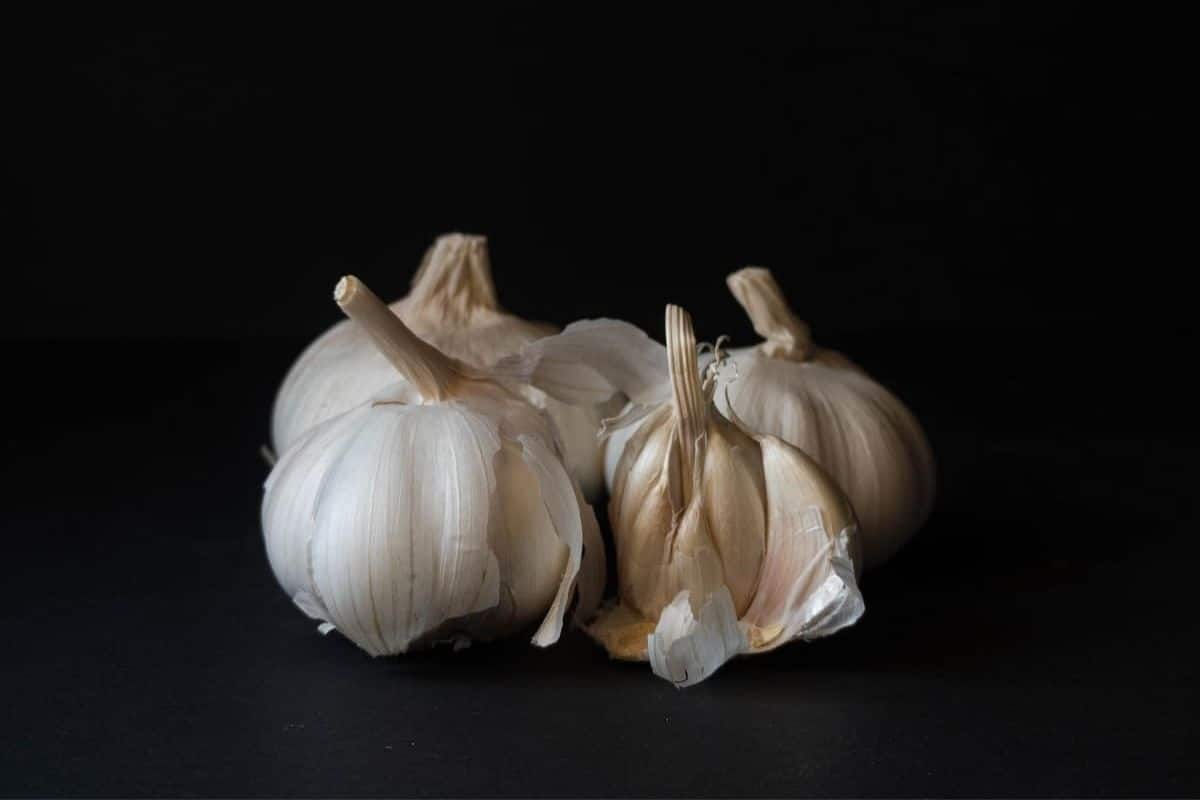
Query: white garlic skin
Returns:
{"type": "Point", "coordinates": [400, 523]}
{"type": "Point", "coordinates": [614, 447]}
{"type": "Point", "coordinates": [439, 509]}
{"type": "Point", "coordinates": [453, 307]}
{"type": "Point", "coordinates": [857, 430]}
{"type": "Point", "coordinates": [819, 401]}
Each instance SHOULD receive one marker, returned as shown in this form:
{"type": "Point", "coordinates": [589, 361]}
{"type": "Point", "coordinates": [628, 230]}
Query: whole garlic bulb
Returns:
{"type": "Point", "coordinates": [819, 401]}
{"type": "Point", "coordinates": [437, 510]}
{"type": "Point", "coordinates": [452, 305]}
{"type": "Point", "coordinates": [727, 541]}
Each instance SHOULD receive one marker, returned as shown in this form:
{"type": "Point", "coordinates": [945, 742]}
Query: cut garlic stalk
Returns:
{"type": "Point", "coordinates": [727, 541]}
{"type": "Point", "coordinates": [437, 510]}
{"type": "Point", "coordinates": [818, 400]}
{"type": "Point", "coordinates": [452, 304]}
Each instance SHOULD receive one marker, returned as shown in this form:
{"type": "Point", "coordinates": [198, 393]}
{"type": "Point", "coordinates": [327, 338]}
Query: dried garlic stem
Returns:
{"type": "Point", "coordinates": [421, 364]}
{"type": "Point", "coordinates": [455, 275]}
{"type": "Point", "coordinates": [786, 334]}
{"type": "Point", "coordinates": [685, 387]}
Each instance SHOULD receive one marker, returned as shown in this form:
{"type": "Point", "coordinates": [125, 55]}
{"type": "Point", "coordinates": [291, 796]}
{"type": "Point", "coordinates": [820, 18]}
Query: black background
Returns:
{"type": "Point", "coordinates": [966, 201]}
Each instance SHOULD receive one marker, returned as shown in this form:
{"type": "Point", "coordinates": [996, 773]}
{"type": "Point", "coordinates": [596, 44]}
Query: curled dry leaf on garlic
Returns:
{"type": "Point", "coordinates": [452, 304]}
{"type": "Point", "coordinates": [728, 541]}
{"type": "Point", "coordinates": [437, 509]}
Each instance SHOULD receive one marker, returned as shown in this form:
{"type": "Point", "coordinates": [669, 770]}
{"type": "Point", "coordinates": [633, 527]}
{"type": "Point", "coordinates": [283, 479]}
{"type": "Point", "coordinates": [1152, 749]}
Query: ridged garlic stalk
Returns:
{"type": "Point", "coordinates": [728, 541]}
{"type": "Point", "coordinates": [819, 401]}
{"type": "Point", "coordinates": [437, 510]}
{"type": "Point", "coordinates": [452, 304]}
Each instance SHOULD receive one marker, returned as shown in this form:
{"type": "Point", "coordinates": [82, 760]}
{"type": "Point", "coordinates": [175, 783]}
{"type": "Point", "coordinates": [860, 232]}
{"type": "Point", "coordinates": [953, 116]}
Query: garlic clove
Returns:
{"type": "Point", "coordinates": [807, 588]}
{"type": "Point", "coordinates": [377, 520]}
{"type": "Point", "coordinates": [735, 474]}
{"type": "Point", "coordinates": [286, 513]}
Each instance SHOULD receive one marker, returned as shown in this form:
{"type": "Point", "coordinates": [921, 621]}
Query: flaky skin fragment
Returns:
{"type": "Point", "coordinates": [438, 510]}
{"type": "Point", "coordinates": [728, 541]}
{"type": "Point", "coordinates": [452, 304]}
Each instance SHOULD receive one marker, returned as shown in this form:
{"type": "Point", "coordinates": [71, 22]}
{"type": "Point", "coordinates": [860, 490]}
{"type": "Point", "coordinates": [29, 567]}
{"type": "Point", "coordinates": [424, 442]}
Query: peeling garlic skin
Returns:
{"type": "Point", "coordinates": [642, 506]}
{"type": "Point", "coordinates": [736, 508]}
{"type": "Point", "coordinates": [727, 541]}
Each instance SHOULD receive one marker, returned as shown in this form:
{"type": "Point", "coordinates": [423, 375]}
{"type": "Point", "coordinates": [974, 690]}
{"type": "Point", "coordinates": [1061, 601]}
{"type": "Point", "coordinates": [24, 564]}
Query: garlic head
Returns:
{"type": "Point", "coordinates": [819, 401]}
{"type": "Point", "coordinates": [437, 510]}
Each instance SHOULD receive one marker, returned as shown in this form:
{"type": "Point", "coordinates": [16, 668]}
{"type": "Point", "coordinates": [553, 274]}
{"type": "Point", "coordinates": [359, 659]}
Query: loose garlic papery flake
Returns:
{"type": "Point", "coordinates": [437, 510]}
{"type": "Point", "coordinates": [819, 401]}
{"type": "Point", "coordinates": [727, 541]}
{"type": "Point", "coordinates": [452, 305]}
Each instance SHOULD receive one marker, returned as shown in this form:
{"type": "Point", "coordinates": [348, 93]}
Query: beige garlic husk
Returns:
{"type": "Point", "coordinates": [451, 304]}
{"type": "Point", "coordinates": [727, 541]}
{"type": "Point", "coordinates": [437, 510]}
{"type": "Point", "coordinates": [821, 402]}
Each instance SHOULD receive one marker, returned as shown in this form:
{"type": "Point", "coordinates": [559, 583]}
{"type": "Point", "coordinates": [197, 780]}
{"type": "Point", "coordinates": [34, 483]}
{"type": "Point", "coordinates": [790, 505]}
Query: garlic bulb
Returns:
{"type": "Point", "coordinates": [819, 401]}
{"type": "Point", "coordinates": [439, 509]}
{"type": "Point", "coordinates": [727, 541]}
{"type": "Point", "coordinates": [452, 304]}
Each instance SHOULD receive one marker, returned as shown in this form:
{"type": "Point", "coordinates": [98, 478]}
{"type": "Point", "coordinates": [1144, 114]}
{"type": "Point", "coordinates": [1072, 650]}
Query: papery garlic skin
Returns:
{"type": "Point", "coordinates": [438, 510]}
{"type": "Point", "coordinates": [727, 541]}
{"type": "Point", "coordinates": [597, 364]}
{"type": "Point", "coordinates": [452, 304]}
{"type": "Point", "coordinates": [819, 401]}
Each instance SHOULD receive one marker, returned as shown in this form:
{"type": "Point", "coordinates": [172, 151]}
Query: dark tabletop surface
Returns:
{"type": "Point", "coordinates": [973, 202]}
{"type": "Point", "coordinates": [1037, 638]}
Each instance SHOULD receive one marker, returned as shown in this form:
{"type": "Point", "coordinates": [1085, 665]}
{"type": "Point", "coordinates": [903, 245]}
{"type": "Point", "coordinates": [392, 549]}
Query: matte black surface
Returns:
{"type": "Point", "coordinates": [1038, 638]}
{"type": "Point", "coordinates": [969, 201]}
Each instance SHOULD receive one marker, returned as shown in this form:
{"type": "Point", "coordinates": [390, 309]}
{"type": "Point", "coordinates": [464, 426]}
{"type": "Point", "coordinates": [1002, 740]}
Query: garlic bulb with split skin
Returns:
{"type": "Point", "coordinates": [727, 541]}
{"type": "Point", "coordinates": [819, 401]}
{"type": "Point", "coordinates": [438, 509]}
{"type": "Point", "coordinates": [452, 305]}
